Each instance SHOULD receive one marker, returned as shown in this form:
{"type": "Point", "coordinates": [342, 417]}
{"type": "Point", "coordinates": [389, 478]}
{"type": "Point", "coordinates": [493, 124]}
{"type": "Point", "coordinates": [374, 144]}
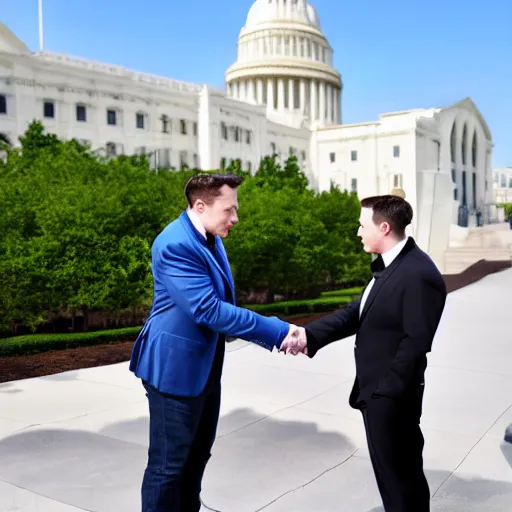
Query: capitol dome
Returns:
{"type": "Point", "coordinates": [267, 11]}
{"type": "Point", "coordinates": [284, 61]}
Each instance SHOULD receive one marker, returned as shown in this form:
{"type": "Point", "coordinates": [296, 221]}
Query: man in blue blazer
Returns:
{"type": "Point", "coordinates": [179, 353]}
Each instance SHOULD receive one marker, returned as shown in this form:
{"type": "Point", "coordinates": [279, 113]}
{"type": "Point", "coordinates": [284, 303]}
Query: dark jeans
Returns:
{"type": "Point", "coordinates": [181, 434]}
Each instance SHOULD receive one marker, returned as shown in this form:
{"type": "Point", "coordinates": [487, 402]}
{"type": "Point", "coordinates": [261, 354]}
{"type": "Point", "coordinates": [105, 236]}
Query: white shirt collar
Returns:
{"type": "Point", "coordinates": [390, 255]}
{"type": "Point", "coordinates": [196, 221]}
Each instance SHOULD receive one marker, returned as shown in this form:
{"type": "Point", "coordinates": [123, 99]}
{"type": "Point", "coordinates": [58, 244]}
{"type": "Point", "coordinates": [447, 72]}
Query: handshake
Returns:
{"type": "Point", "coordinates": [295, 342]}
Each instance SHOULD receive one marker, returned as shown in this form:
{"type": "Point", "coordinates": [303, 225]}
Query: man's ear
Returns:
{"type": "Point", "coordinates": [385, 228]}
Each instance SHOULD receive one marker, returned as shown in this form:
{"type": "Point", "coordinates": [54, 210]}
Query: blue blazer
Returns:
{"type": "Point", "coordinates": [175, 349]}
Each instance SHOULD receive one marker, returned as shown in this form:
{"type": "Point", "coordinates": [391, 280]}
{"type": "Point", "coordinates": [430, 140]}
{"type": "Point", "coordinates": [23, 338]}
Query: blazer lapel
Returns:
{"type": "Point", "coordinates": [229, 275]}
{"type": "Point", "coordinates": [225, 272]}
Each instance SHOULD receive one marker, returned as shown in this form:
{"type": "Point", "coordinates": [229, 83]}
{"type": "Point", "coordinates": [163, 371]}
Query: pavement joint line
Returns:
{"type": "Point", "coordinates": [471, 449]}
{"type": "Point", "coordinates": [47, 497]}
{"type": "Point", "coordinates": [307, 483]}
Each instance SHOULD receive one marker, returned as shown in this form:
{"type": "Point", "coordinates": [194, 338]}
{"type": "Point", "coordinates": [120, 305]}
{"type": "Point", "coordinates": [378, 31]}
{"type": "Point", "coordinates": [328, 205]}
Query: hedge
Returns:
{"type": "Point", "coordinates": [37, 343]}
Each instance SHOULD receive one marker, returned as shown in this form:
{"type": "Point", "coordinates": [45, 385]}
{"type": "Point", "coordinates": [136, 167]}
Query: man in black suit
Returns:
{"type": "Point", "coordinates": [395, 322]}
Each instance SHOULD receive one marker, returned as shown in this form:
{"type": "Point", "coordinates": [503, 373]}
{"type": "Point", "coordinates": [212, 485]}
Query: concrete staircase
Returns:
{"type": "Point", "coordinates": [492, 242]}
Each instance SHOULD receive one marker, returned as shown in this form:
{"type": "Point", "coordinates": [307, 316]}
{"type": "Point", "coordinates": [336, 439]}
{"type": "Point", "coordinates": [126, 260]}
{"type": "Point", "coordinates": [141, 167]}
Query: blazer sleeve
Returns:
{"type": "Point", "coordinates": [190, 286]}
{"type": "Point", "coordinates": [423, 304]}
{"type": "Point", "coordinates": [338, 325]}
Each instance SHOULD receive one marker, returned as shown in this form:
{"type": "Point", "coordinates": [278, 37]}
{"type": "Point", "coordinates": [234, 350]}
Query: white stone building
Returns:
{"type": "Point", "coordinates": [282, 97]}
{"type": "Point", "coordinates": [502, 185]}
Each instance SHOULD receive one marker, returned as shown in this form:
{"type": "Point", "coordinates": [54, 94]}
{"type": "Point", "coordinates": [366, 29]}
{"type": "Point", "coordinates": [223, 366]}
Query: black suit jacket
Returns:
{"type": "Point", "coordinates": [395, 331]}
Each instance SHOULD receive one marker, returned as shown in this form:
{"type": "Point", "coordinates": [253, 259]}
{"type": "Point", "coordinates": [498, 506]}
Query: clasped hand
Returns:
{"type": "Point", "coordinates": [295, 342]}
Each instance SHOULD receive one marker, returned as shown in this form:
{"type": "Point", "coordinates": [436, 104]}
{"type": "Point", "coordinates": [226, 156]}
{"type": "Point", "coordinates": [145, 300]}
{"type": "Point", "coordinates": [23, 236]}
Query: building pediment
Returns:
{"type": "Point", "coordinates": [468, 104]}
{"type": "Point", "coordinates": [10, 43]}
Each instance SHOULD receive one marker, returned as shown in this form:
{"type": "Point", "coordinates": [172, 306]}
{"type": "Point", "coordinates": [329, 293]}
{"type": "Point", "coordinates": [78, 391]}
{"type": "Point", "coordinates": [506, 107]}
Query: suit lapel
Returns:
{"type": "Point", "coordinates": [379, 283]}
{"type": "Point", "coordinates": [386, 274]}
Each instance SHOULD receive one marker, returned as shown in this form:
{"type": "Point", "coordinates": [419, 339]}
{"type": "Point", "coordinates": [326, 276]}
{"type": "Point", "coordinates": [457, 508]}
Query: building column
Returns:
{"type": "Point", "coordinates": [280, 94]}
{"type": "Point", "coordinates": [291, 94]}
{"type": "Point", "coordinates": [329, 90]}
{"type": "Point", "coordinates": [259, 91]}
{"type": "Point", "coordinates": [303, 95]}
{"type": "Point", "coordinates": [314, 110]}
{"type": "Point", "coordinates": [270, 94]}
{"type": "Point", "coordinates": [321, 116]}
{"type": "Point", "coordinates": [250, 91]}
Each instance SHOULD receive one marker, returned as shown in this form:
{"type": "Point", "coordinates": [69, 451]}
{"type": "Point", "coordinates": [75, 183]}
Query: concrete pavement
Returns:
{"type": "Point", "coordinates": [288, 441]}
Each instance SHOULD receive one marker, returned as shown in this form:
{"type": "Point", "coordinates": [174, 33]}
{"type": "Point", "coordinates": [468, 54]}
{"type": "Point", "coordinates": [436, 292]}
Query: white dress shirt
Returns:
{"type": "Point", "coordinates": [196, 221]}
{"type": "Point", "coordinates": [387, 257]}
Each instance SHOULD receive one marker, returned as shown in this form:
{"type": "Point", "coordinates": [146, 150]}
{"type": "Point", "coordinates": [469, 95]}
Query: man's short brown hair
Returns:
{"type": "Point", "coordinates": [394, 210]}
{"type": "Point", "coordinates": [207, 186]}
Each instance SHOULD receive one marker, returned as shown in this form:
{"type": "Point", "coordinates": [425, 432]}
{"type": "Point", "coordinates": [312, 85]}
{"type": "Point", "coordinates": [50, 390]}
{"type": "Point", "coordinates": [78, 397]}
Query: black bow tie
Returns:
{"type": "Point", "coordinates": [210, 240]}
{"type": "Point", "coordinates": [378, 267]}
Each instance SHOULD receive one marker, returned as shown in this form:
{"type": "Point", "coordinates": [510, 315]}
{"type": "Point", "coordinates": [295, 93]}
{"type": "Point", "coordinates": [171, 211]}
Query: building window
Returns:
{"type": "Point", "coordinates": [111, 117]}
{"type": "Point", "coordinates": [454, 176]}
{"type": "Point", "coordinates": [3, 104]}
{"type": "Point", "coordinates": [195, 129]}
{"type": "Point", "coordinates": [473, 150]}
{"type": "Point", "coordinates": [353, 185]}
{"type": "Point", "coordinates": [183, 159]}
{"type": "Point", "coordinates": [303, 156]}
{"type": "Point", "coordinates": [453, 142]}
{"type": "Point", "coordinates": [111, 149]}
{"type": "Point", "coordinates": [396, 151]}
{"type": "Point", "coordinates": [139, 121]}
{"type": "Point", "coordinates": [249, 167]}
{"type": "Point", "coordinates": [248, 137]}
{"type": "Point", "coordinates": [165, 123]}
{"type": "Point", "coordinates": [224, 131]}
{"type": "Point", "coordinates": [81, 113]}
{"type": "Point", "coordinates": [273, 149]}
{"type": "Point", "coordinates": [353, 156]}
{"type": "Point", "coordinates": [291, 151]}
{"type": "Point", "coordinates": [49, 109]}
{"type": "Point", "coordinates": [332, 157]}
{"type": "Point", "coordinates": [474, 190]}
{"type": "Point", "coordinates": [464, 144]}
{"type": "Point", "coordinates": [464, 194]}
{"type": "Point", "coordinates": [397, 181]}
{"type": "Point", "coordinates": [223, 163]}
{"type": "Point", "coordinates": [183, 127]}
{"type": "Point", "coordinates": [237, 134]}
{"type": "Point", "coordinates": [196, 161]}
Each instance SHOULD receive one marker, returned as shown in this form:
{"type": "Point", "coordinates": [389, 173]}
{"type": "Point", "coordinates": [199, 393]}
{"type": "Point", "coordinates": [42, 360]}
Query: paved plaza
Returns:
{"type": "Point", "coordinates": [287, 440]}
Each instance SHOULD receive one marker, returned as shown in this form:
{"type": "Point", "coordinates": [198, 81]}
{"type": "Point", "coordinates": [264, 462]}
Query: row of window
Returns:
{"type": "Point", "coordinates": [503, 180]}
{"type": "Point", "coordinates": [284, 45]}
{"type": "Point", "coordinates": [112, 117]}
{"type": "Point", "coordinates": [237, 134]}
{"type": "Point", "coordinates": [453, 145]}
{"type": "Point", "coordinates": [353, 155]}
{"type": "Point", "coordinates": [160, 158]}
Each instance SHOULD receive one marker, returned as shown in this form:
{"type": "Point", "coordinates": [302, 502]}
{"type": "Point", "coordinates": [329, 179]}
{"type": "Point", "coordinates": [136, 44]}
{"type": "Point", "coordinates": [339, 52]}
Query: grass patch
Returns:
{"type": "Point", "coordinates": [37, 343]}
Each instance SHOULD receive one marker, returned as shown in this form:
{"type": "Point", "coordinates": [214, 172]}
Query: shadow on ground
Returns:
{"type": "Point", "coordinates": [270, 465]}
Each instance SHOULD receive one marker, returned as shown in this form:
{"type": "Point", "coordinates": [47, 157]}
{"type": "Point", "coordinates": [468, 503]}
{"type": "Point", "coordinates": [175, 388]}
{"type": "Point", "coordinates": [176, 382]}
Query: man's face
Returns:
{"type": "Point", "coordinates": [372, 235]}
{"type": "Point", "coordinates": [221, 215]}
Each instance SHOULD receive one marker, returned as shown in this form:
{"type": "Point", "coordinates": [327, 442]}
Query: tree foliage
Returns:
{"type": "Point", "coordinates": [76, 231]}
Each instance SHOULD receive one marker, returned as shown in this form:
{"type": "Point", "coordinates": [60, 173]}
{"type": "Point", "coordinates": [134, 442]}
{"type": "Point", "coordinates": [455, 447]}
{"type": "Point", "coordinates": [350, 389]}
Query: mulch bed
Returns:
{"type": "Point", "coordinates": [57, 361]}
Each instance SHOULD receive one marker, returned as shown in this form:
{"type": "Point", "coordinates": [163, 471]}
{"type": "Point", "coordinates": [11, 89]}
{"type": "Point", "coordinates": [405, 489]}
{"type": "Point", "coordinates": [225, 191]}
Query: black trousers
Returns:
{"type": "Point", "coordinates": [395, 444]}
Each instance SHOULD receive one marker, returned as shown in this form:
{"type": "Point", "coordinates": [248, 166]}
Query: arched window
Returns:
{"type": "Point", "coordinates": [453, 138]}
{"type": "Point", "coordinates": [464, 143]}
{"type": "Point", "coordinates": [474, 150]}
